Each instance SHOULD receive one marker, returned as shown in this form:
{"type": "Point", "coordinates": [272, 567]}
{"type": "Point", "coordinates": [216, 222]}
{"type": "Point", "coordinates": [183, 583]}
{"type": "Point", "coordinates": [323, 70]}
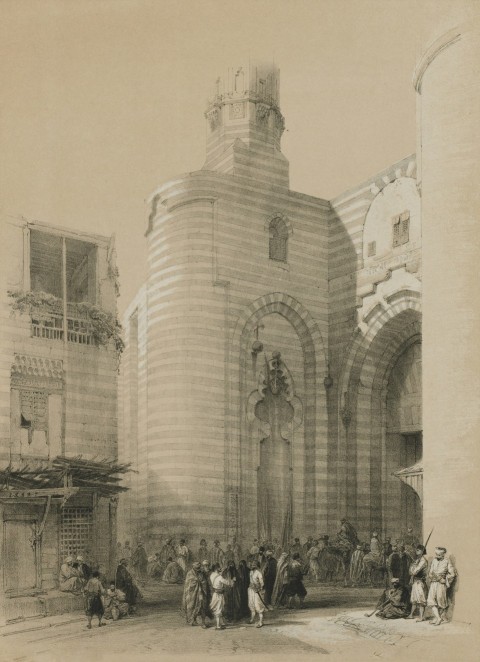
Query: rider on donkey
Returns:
{"type": "Point", "coordinates": [347, 538]}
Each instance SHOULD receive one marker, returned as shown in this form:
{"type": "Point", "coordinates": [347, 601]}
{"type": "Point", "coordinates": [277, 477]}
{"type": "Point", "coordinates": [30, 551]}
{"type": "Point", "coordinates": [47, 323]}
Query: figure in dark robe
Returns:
{"type": "Point", "coordinates": [243, 583]}
{"type": "Point", "coordinates": [195, 595]}
{"type": "Point", "coordinates": [394, 602]}
{"type": "Point", "coordinates": [295, 586]}
{"type": "Point", "coordinates": [269, 576]}
{"type": "Point", "coordinates": [125, 582]}
{"type": "Point", "coordinates": [203, 553]}
{"type": "Point", "coordinates": [398, 565]}
{"type": "Point", "coordinates": [296, 548]}
{"type": "Point", "coordinates": [229, 556]}
{"type": "Point", "coordinates": [328, 561]}
{"type": "Point", "coordinates": [233, 604]}
{"type": "Point", "coordinates": [139, 562]}
{"type": "Point", "coordinates": [279, 597]}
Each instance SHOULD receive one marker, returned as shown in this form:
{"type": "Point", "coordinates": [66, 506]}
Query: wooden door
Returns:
{"type": "Point", "coordinates": [20, 557]}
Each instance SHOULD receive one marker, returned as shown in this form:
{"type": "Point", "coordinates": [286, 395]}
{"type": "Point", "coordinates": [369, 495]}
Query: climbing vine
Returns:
{"type": "Point", "coordinates": [105, 326]}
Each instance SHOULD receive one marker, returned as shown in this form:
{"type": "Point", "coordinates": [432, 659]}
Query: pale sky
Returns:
{"type": "Point", "coordinates": [103, 100]}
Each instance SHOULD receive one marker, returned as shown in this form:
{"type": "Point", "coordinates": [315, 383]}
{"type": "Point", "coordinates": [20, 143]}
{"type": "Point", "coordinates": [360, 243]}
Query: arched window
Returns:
{"type": "Point", "coordinates": [278, 240]}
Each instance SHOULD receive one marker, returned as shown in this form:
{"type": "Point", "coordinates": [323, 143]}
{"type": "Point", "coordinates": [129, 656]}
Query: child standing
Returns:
{"type": "Point", "coordinates": [93, 599]}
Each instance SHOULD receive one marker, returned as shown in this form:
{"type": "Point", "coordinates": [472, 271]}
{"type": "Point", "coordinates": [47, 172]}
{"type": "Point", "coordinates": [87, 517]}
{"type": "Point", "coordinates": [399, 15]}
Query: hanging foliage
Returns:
{"type": "Point", "coordinates": [105, 326]}
{"type": "Point", "coordinates": [28, 302]}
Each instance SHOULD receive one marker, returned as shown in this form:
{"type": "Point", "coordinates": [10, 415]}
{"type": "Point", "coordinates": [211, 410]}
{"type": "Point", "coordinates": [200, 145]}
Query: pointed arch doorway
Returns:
{"type": "Point", "coordinates": [404, 442]}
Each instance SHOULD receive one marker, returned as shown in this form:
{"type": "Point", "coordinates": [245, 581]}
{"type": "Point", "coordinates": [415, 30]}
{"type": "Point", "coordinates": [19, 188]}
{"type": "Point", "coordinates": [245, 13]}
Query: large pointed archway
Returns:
{"type": "Point", "coordinates": [366, 465]}
{"type": "Point", "coordinates": [295, 333]}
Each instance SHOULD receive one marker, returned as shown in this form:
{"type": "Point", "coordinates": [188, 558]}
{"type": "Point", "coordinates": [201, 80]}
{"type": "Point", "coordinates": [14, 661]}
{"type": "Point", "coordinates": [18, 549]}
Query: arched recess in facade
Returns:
{"type": "Point", "coordinates": [314, 406]}
{"type": "Point", "coordinates": [373, 352]}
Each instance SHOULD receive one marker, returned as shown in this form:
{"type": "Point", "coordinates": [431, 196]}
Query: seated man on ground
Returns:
{"type": "Point", "coordinates": [173, 573]}
{"type": "Point", "coordinates": [115, 603]}
{"type": "Point", "coordinates": [70, 579]}
{"type": "Point", "coordinates": [395, 602]}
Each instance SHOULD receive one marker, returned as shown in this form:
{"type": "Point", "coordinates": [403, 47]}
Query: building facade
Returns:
{"type": "Point", "coordinates": [58, 411]}
{"type": "Point", "coordinates": [272, 375]}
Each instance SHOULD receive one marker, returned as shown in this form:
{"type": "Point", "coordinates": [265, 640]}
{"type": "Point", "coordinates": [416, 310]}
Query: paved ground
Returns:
{"type": "Point", "coordinates": [332, 625]}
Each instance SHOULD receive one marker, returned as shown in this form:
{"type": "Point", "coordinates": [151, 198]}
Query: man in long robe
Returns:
{"type": "Point", "coordinates": [237, 551]}
{"type": "Point", "coordinates": [195, 595]}
{"type": "Point", "coordinates": [233, 607]}
{"type": "Point", "coordinates": [269, 575]}
{"type": "Point", "coordinates": [356, 566]}
{"type": "Point", "coordinates": [139, 562]}
{"type": "Point", "coordinates": [229, 556]}
{"type": "Point", "coordinates": [203, 551]}
{"type": "Point", "coordinates": [373, 559]}
{"type": "Point", "coordinates": [243, 583]}
{"type": "Point", "coordinates": [394, 602]}
{"type": "Point", "coordinates": [125, 582]}
{"type": "Point", "coordinates": [183, 556]}
{"type": "Point", "coordinates": [312, 557]}
{"type": "Point", "coordinates": [281, 581]}
{"type": "Point", "coordinates": [328, 561]}
{"type": "Point", "coordinates": [398, 565]}
{"type": "Point", "coordinates": [217, 555]}
{"type": "Point", "coordinates": [441, 576]}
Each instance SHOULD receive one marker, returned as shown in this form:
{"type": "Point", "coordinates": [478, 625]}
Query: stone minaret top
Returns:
{"type": "Point", "coordinates": [243, 113]}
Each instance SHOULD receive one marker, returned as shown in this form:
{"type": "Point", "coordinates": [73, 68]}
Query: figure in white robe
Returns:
{"type": "Point", "coordinates": [256, 601]}
{"type": "Point", "coordinates": [418, 575]}
{"type": "Point", "coordinates": [441, 575]}
{"type": "Point", "coordinates": [217, 603]}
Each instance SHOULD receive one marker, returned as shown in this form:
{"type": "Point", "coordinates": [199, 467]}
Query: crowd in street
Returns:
{"type": "Point", "coordinates": [226, 584]}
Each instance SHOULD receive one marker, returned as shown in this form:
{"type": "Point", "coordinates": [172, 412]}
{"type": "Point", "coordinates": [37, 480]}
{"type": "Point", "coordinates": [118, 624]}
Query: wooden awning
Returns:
{"type": "Point", "coordinates": [413, 477]}
{"type": "Point", "coordinates": [62, 475]}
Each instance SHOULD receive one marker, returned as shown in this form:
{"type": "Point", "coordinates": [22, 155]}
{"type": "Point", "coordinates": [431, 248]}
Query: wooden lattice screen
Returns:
{"type": "Point", "coordinates": [76, 532]}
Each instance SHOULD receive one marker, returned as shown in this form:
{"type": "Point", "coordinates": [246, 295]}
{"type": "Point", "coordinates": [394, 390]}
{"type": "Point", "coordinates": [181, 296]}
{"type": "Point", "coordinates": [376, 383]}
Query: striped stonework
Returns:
{"type": "Point", "coordinates": [216, 307]}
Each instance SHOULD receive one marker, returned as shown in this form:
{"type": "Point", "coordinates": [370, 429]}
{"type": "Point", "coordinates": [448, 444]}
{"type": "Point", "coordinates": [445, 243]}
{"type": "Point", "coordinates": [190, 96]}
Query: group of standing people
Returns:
{"type": "Point", "coordinates": [230, 593]}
